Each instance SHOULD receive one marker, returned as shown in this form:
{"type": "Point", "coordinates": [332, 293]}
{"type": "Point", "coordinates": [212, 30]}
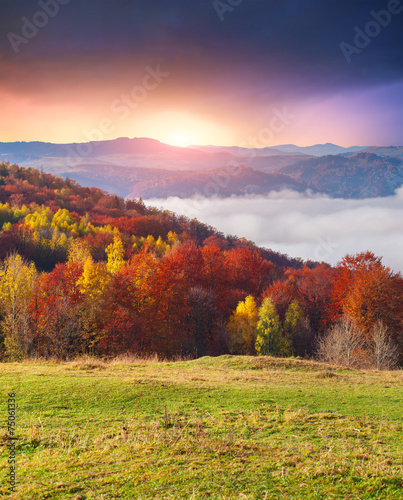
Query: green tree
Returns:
{"type": "Point", "coordinates": [270, 338]}
{"type": "Point", "coordinates": [297, 329]}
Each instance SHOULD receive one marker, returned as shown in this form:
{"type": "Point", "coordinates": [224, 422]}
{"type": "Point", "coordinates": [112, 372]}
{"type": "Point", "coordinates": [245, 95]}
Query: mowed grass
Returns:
{"type": "Point", "coordinates": [213, 428]}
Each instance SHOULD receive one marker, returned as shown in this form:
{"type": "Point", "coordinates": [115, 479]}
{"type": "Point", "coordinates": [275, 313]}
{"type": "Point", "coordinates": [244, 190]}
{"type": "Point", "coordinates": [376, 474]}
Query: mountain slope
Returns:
{"type": "Point", "coordinates": [363, 175]}
{"type": "Point", "coordinates": [122, 145]}
{"type": "Point", "coordinates": [118, 165]}
{"type": "Point", "coordinates": [393, 151]}
{"type": "Point", "coordinates": [244, 152]}
{"type": "Point", "coordinates": [150, 168]}
{"type": "Point", "coordinates": [318, 149]}
{"type": "Point", "coordinates": [217, 182]}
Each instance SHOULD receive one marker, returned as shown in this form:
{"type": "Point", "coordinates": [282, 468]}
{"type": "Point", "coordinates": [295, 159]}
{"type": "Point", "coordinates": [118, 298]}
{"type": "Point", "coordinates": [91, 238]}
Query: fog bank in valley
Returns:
{"type": "Point", "coordinates": [309, 226]}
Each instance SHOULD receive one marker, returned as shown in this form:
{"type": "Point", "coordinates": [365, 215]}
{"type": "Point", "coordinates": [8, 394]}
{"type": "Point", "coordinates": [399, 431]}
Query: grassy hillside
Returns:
{"type": "Point", "coordinates": [222, 428]}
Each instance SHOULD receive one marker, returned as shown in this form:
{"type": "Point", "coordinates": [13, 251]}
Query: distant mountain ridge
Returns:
{"type": "Point", "coordinates": [118, 165]}
{"type": "Point", "coordinates": [149, 168]}
{"type": "Point", "coordinates": [122, 145]}
{"type": "Point", "coordinates": [241, 151]}
{"type": "Point", "coordinates": [217, 182]}
{"type": "Point", "coordinates": [393, 151]}
{"type": "Point", "coordinates": [362, 175]}
{"type": "Point", "coordinates": [318, 149]}
{"type": "Point", "coordinates": [288, 149]}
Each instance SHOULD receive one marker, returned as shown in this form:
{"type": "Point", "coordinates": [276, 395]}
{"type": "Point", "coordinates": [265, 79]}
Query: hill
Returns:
{"type": "Point", "coordinates": [148, 168]}
{"type": "Point", "coordinates": [362, 175]}
{"type": "Point", "coordinates": [245, 152]}
{"type": "Point", "coordinates": [288, 149]}
{"type": "Point", "coordinates": [393, 151]}
{"type": "Point", "coordinates": [32, 188]}
{"type": "Point", "coordinates": [122, 145]}
{"type": "Point", "coordinates": [84, 271]}
{"type": "Point", "coordinates": [209, 428]}
{"type": "Point", "coordinates": [118, 165]}
{"type": "Point", "coordinates": [235, 180]}
{"type": "Point", "coordinates": [318, 149]}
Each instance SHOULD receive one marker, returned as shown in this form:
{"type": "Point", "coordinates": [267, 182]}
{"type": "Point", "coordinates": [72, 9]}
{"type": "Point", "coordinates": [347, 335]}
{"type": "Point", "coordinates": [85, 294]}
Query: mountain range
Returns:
{"type": "Point", "coordinates": [147, 168]}
{"type": "Point", "coordinates": [289, 149]}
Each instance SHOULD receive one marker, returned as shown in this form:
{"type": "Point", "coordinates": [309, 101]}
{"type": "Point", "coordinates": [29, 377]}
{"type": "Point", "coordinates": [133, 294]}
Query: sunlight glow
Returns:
{"type": "Point", "coordinates": [182, 129]}
{"type": "Point", "coordinates": [180, 139]}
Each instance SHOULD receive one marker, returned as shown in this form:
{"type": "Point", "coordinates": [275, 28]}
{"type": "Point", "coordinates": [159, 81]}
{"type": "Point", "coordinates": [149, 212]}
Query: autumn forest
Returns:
{"type": "Point", "coordinates": [86, 272]}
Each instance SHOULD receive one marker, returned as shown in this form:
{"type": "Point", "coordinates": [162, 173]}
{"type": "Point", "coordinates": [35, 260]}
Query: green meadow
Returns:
{"type": "Point", "coordinates": [229, 427]}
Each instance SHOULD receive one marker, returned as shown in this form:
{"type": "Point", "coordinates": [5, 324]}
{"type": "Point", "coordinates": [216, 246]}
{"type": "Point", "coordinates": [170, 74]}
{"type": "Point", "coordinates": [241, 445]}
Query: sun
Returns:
{"type": "Point", "coordinates": [181, 129]}
{"type": "Point", "coordinates": [180, 139]}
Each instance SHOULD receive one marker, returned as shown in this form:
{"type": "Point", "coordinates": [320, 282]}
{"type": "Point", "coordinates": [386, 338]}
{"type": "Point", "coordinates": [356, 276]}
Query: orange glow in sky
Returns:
{"type": "Point", "coordinates": [183, 74]}
{"type": "Point", "coordinates": [183, 129]}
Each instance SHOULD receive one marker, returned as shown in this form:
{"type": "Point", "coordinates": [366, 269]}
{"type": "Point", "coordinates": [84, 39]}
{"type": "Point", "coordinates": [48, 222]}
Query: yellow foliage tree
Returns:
{"type": "Point", "coordinates": [160, 246]}
{"type": "Point", "coordinates": [242, 327]}
{"type": "Point", "coordinates": [78, 251]}
{"type": "Point", "coordinates": [17, 279]}
{"type": "Point", "coordinates": [115, 253]}
{"type": "Point", "coordinates": [94, 280]}
{"type": "Point", "coordinates": [92, 284]}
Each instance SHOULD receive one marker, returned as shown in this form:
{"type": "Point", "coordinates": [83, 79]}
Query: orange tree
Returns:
{"type": "Point", "coordinates": [367, 291]}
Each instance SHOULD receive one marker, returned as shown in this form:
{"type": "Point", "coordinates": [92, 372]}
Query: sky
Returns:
{"type": "Point", "coordinates": [250, 73]}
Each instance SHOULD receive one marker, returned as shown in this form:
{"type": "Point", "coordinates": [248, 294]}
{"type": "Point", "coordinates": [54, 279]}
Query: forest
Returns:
{"type": "Point", "coordinates": [83, 271]}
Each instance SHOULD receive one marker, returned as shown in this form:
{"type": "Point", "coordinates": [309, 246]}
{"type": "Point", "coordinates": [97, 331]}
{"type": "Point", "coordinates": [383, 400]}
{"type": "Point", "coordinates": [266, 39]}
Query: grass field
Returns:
{"type": "Point", "coordinates": [212, 428]}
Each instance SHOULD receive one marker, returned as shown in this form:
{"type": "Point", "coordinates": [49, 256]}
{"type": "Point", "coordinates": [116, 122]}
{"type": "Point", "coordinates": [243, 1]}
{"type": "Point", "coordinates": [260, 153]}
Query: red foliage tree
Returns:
{"type": "Point", "coordinates": [367, 291]}
{"type": "Point", "coordinates": [56, 312]}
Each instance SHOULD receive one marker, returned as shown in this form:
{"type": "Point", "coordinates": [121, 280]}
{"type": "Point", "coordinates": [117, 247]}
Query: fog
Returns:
{"type": "Point", "coordinates": [309, 226]}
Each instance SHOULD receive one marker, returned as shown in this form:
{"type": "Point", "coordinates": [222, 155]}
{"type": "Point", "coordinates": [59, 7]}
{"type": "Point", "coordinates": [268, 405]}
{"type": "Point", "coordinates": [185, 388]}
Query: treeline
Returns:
{"type": "Point", "coordinates": [86, 272]}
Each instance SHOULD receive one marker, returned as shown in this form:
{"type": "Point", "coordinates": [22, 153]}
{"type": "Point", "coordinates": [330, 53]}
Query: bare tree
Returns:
{"type": "Point", "coordinates": [344, 344]}
{"type": "Point", "coordinates": [385, 352]}
{"type": "Point", "coordinates": [203, 318]}
{"type": "Point", "coordinates": [61, 330]}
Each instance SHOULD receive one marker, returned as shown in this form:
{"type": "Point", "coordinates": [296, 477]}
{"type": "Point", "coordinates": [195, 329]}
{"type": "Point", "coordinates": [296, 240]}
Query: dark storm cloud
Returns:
{"type": "Point", "coordinates": [299, 39]}
{"type": "Point", "coordinates": [239, 64]}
